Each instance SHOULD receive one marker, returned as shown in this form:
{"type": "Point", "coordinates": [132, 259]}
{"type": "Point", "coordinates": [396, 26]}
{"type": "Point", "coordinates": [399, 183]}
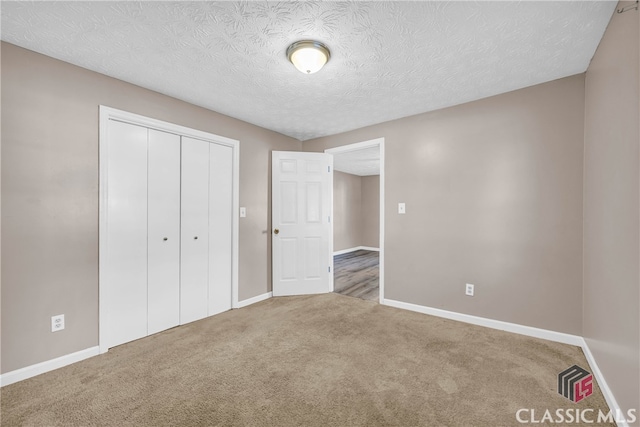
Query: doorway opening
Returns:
{"type": "Point", "coordinates": [358, 219]}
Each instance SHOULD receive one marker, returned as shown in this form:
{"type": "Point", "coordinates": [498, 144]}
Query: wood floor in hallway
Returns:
{"type": "Point", "coordinates": [356, 274]}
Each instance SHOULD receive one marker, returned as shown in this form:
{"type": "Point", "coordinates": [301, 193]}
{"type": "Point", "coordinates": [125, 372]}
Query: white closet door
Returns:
{"type": "Point", "coordinates": [126, 233]}
{"type": "Point", "coordinates": [163, 231]}
{"type": "Point", "coordinates": [220, 227]}
{"type": "Point", "coordinates": [194, 262]}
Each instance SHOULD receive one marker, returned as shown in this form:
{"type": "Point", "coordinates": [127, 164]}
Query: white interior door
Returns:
{"type": "Point", "coordinates": [194, 262]}
{"type": "Point", "coordinates": [126, 234]}
{"type": "Point", "coordinates": [163, 231]}
{"type": "Point", "coordinates": [302, 187]}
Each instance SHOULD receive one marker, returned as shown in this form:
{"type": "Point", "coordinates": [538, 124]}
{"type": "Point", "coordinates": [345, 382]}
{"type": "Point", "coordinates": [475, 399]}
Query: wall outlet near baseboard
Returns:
{"type": "Point", "coordinates": [469, 289]}
{"type": "Point", "coordinates": [57, 323]}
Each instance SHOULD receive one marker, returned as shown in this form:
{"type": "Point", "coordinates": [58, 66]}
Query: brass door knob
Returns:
{"type": "Point", "coordinates": [276, 231]}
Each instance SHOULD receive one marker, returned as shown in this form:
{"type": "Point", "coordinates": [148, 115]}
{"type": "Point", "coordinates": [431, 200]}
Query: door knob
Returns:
{"type": "Point", "coordinates": [276, 231]}
{"type": "Point", "coordinates": [165, 239]}
{"type": "Point", "coordinates": [195, 238]}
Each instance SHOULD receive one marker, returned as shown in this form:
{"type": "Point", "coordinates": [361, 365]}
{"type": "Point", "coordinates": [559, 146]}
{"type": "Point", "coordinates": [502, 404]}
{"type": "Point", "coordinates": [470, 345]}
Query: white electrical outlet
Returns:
{"type": "Point", "coordinates": [57, 323]}
{"type": "Point", "coordinates": [243, 212]}
{"type": "Point", "coordinates": [469, 289]}
{"type": "Point", "coordinates": [402, 208]}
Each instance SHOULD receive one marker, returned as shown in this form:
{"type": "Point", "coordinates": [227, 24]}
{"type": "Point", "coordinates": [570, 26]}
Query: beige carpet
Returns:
{"type": "Point", "coordinates": [327, 360]}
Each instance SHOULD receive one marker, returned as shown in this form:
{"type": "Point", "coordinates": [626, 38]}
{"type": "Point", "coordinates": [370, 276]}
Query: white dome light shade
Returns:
{"type": "Point", "coordinates": [308, 56]}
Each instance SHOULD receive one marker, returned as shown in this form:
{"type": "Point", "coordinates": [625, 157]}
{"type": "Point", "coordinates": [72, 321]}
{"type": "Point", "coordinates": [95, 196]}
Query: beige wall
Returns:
{"type": "Point", "coordinates": [493, 191]}
{"type": "Point", "coordinates": [611, 319]}
{"type": "Point", "coordinates": [347, 211]}
{"type": "Point", "coordinates": [50, 198]}
{"type": "Point", "coordinates": [356, 211]}
{"type": "Point", "coordinates": [371, 211]}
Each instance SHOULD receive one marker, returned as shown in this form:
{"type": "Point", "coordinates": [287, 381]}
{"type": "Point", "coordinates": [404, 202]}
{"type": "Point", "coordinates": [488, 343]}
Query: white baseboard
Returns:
{"type": "Point", "coordinates": [254, 300]}
{"type": "Point", "coordinates": [490, 323]}
{"type": "Point", "coordinates": [49, 365]}
{"type": "Point", "coordinates": [604, 387]}
{"type": "Point", "coordinates": [357, 248]}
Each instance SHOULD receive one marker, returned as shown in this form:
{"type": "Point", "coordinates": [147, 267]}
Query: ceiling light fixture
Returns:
{"type": "Point", "coordinates": [308, 56]}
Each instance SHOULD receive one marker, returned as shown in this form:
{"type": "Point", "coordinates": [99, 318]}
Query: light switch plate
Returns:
{"type": "Point", "coordinates": [401, 208]}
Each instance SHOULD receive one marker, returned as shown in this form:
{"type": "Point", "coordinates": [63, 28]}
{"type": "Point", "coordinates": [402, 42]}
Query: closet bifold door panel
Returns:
{"type": "Point", "coordinates": [168, 233]}
{"type": "Point", "coordinates": [220, 227]}
{"type": "Point", "coordinates": [163, 263]}
{"type": "Point", "coordinates": [126, 262]}
{"type": "Point", "coordinates": [194, 259]}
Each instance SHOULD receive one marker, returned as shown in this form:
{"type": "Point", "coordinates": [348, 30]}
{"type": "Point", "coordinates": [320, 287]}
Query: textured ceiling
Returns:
{"type": "Point", "coordinates": [388, 59]}
{"type": "Point", "coordinates": [363, 162]}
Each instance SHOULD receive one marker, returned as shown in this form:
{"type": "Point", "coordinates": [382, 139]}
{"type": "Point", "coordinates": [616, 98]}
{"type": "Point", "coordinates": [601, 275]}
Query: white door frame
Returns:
{"type": "Point", "coordinates": [378, 142]}
{"type": "Point", "coordinates": [108, 113]}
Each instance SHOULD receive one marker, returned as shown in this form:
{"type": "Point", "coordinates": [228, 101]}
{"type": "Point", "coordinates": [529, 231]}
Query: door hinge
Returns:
{"type": "Point", "coordinates": [329, 218]}
{"type": "Point", "coordinates": [329, 169]}
{"type": "Point", "coordinates": [329, 269]}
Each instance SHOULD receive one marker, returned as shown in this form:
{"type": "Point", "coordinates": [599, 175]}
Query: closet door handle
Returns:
{"type": "Point", "coordinates": [165, 239]}
{"type": "Point", "coordinates": [276, 231]}
{"type": "Point", "coordinates": [195, 238]}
